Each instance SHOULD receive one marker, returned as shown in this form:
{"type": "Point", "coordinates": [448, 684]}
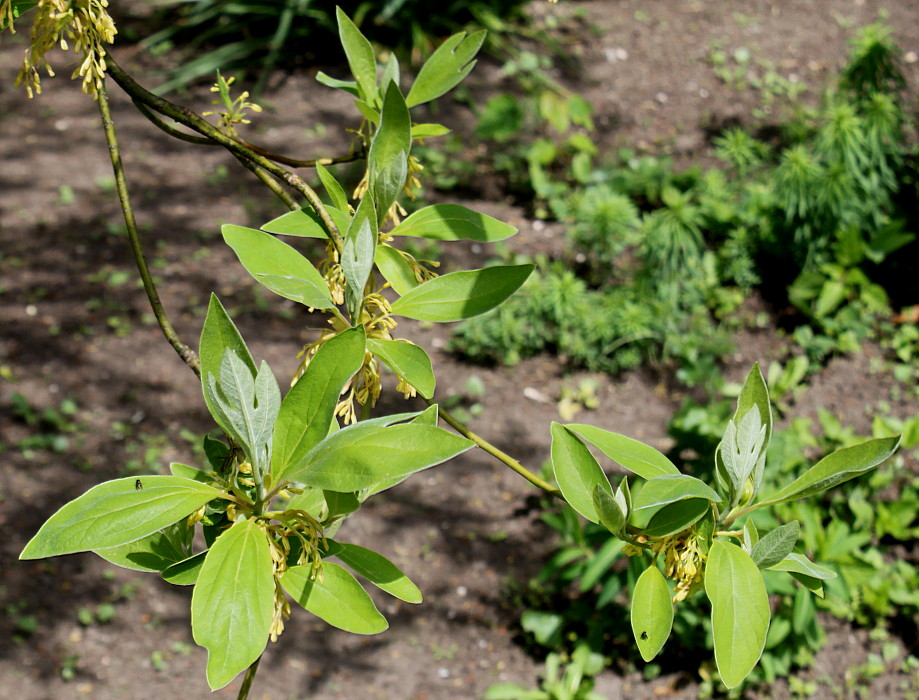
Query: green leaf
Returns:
{"type": "Point", "coordinates": [428, 131]}
{"type": "Point", "coordinates": [309, 406]}
{"type": "Point", "coordinates": [740, 610]}
{"type": "Point", "coordinates": [631, 454]}
{"type": "Point", "coordinates": [335, 597]}
{"type": "Point", "coordinates": [446, 67]}
{"type": "Point", "coordinates": [407, 360]}
{"type": "Point", "coordinates": [670, 488]}
{"type": "Point", "coordinates": [836, 468]}
{"type": "Point", "coordinates": [218, 335]}
{"type": "Point", "coordinates": [187, 472]}
{"type": "Point", "coordinates": [349, 86]}
{"type": "Point", "coordinates": [774, 546]}
{"type": "Point", "coordinates": [277, 266]}
{"type": "Point", "coordinates": [651, 613]}
{"type": "Point", "coordinates": [233, 602]}
{"type": "Point", "coordinates": [459, 295]}
{"type": "Point", "coordinates": [333, 188]}
{"type": "Point", "coordinates": [185, 572]}
{"type": "Point", "coordinates": [796, 563]}
{"type": "Point", "coordinates": [452, 222]}
{"type": "Point", "coordinates": [608, 511]}
{"type": "Point", "coordinates": [577, 472]}
{"type": "Point", "coordinates": [305, 223]}
{"type": "Point", "coordinates": [117, 512]}
{"type": "Point", "coordinates": [377, 569]}
{"type": "Point", "coordinates": [755, 392]}
{"type": "Point", "coordinates": [395, 269]}
{"type": "Point", "coordinates": [154, 552]}
{"type": "Point", "coordinates": [246, 407]}
{"type": "Point", "coordinates": [360, 455]}
{"type": "Point", "coordinates": [677, 516]}
{"type": "Point", "coordinates": [357, 253]}
{"type": "Point", "coordinates": [741, 450]}
{"type": "Point", "coordinates": [387, 159]}
{"type": "Point", "coordinates": [361, 58]}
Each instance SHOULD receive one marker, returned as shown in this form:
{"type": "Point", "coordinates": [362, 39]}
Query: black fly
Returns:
{"type": "Point", "coordinates": [138, 485]}
{"type": "Point", "coordinates": [644, 635]}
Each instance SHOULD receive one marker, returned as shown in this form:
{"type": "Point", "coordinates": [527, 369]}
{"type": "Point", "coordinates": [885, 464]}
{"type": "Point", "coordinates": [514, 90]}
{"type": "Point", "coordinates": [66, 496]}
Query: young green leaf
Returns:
{"type": "Point", "coordinates": [377, 569]}
{"type": "Point", "coordinates": [364, 455]}
{"type": "Point", "coordinates": [185, 572]}
{"type": "Point", "coordinates": [246, 407]}
{"type": "Point", "coordinates": [796, 563]}
{"type": "Point", "coordinates": [836, 468]}
{"type": "Point", "coordinates": [741, 450]}
{"type": "Point", "coordinates": [305, 223]}
{"type": "Point", "coordinates": [307, 410]}
{"type": "Point", "coordinates": [651, 613]}
{"type": "Point", "coordinates": [357, 253]}
{"type": "Point", "coordinates": [349, 86]}
{"type": "Point", "coordinates": [407, 360]}
{"type": "Point", "coordinates": [635, 456]}
{"type": "Point", "coordinates": [608, 510]}
{"type": "Point", "coordinates": [332, 187]}
{"type": "Point", "coordinates": [446, 67]}
{"type": "Point", "coordinates": [459, 295]}
{"type": "Point", "coordinates": [154, 552]}
{"type": "Point", "coordinates": [217, 336]}
{"type": "Point", "coordinates": [387, 160]}
{"type": "Point", "coordinates": [278, 267]}
{"type": "Point", "coordinates": [117, 512]}
{"type": "Point", "coordinates": [452, 222]}
{"type": "Point", "coordinates": [775, 545]}
{"type": "Point", "coordinates": [187, 472]}
{"type": "Point", "coordinates": [577, 472]}
{"type": "Point", "coordinates": [677, 516]}
{"type": "Point", "coordinates": [233, 602]}
{"type": "Point", "coordinates": [670, 488]}
{"type": "Point", "coordinates": [428, 131]}
{"type": "Point", "coordinates": [335, 597]}
{"type": "Point", "coordinates": [361, 58]}
{"type": "Point", "coordinates": [740, 610]}
{"type": "Point", "coordinates": [395, 269]}
{"type": "Point", "coordinates": [755, 392]}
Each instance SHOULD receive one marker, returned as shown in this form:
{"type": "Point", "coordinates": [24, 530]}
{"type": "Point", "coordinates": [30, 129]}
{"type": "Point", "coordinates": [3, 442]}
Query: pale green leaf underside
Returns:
{"type": "Point", "coordinates": [278, 266]}
{"type": "Point", "coordinates": [577, 472]}
{"type": "Point", "coordinates": [446, 67]}
{"type": "Point", "coordinates": [117, 512]}
{"type": "Point", "coordinates": [233, 601]}
{"type": "Point", "coordinates": [651, 612]}
{"type": "Point", "coordinates": [796, 563]}
{"type": "Point", "coordinates": [670, 488]}
{"type": "Point", "coordinates": [740, 610]}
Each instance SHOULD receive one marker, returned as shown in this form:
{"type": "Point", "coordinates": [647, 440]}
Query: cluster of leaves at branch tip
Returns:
{"type": "Point", "coordinates": [272, 495]}
{"type": "Point", "coordinates": [679, 524]}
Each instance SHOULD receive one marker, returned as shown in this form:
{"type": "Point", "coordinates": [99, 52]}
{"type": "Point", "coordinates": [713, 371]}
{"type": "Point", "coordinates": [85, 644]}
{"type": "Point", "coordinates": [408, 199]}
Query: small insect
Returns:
{"type": "Point", "coordinates": [644, 635]}
{"type": "Point", "coordinates": [138, 485]}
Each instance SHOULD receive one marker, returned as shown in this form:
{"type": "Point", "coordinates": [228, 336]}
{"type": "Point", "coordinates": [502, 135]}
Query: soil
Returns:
{"type": "Point", "coordinates": [74, 327]}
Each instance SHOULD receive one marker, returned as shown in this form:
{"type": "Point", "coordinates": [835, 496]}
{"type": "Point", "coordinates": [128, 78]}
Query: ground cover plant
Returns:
{"type": "Point", "coordinates": [285, 545]}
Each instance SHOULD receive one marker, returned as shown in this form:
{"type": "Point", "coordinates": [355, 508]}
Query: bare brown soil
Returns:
{"type": "Point", "coordinates": [70, 329]}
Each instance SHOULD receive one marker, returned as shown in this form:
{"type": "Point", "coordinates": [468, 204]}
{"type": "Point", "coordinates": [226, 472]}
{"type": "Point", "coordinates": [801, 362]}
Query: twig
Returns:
{"type": "Point", "coordinates": [269, 181]}
{"type": "Point", "coordinates": [194, 121]}
{"type": "Point", "coordinates": [247, 680]}
{"type": "Point", "coordinates": [496, 453]}
{"type": "Point", "coordinates": [189, 357]}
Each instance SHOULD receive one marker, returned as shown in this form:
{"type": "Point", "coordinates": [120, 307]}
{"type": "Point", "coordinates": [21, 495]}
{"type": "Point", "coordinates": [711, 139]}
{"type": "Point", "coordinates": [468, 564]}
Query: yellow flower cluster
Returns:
{"type": "Point", "coordinates": [683, 561]}
{"type": "Point", "coordinates": [85, 24]}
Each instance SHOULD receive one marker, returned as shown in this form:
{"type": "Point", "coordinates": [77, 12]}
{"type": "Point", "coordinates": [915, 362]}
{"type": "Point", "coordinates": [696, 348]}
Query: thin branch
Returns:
{"type": "Point", "coordinates": [270, 182]}
{"type": "Point", "coordinates": [194, 121]}
{"type": "Point", "coordinates": [171, 130]}
{"type": "Point", "coordinates": [247, 681]}
{"type": "Point", "coordinates": [189, 357]}
{"type": "Point", "coordinates": [496, 453]}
